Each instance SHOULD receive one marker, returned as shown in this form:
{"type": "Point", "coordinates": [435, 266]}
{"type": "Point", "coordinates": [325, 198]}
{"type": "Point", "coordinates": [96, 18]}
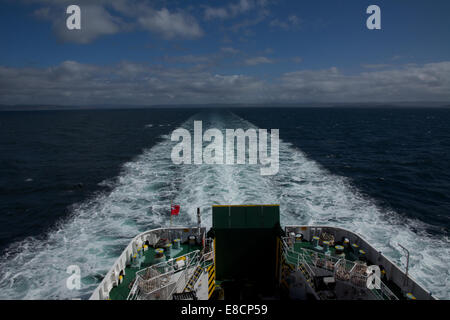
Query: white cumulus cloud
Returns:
{"type": "Point", "coordinates": [103, 17]}
{"type": "Point", "coordinates": [128, 83]}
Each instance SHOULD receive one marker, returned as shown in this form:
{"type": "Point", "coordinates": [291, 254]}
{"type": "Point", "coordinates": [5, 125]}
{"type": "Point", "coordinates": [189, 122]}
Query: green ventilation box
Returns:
{"type": "Point", "coordinates": [246, 243]}
{"type": "Point", "coordinates": [247, 217]}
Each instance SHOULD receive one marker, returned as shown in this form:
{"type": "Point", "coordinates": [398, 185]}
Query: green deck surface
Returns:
{"type": "Point", "coordinates": [122, 290]}
{"type": "Point", "coordinates": [349, 255]}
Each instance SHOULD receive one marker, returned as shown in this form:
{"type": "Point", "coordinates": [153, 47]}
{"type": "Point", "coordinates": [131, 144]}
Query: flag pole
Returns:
{"type": "Point", "coordinates": [170, 229]}
{"type": "Point", "coordinates": [171, 213]}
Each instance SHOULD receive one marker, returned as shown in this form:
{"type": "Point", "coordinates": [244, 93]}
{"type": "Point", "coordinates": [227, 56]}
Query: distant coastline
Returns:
{"type": "Point", "coordinates": [406, 104]}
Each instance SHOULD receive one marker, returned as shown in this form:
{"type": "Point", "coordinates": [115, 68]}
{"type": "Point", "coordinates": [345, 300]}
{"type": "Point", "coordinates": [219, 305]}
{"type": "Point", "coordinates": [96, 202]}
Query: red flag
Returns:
{"type": "Point", "coordinates": [175, 210]}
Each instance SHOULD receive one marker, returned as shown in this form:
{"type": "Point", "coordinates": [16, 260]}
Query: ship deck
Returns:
{"type": "Point", "coordinates": [305, 257]}
{"type": "Point", "coordinates": [350, 255]}
{"type": "Point", "coordinates": [122, 291]}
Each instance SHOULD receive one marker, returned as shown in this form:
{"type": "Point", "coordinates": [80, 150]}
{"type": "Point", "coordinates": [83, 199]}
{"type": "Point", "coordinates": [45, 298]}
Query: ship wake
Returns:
{"type": "Point", "coordinates": [99, 228]}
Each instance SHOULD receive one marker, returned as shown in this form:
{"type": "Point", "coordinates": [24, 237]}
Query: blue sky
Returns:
{"type": "Point", "coordinates": [214, 51]}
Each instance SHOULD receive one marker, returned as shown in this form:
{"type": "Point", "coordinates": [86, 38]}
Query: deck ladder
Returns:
{"type": "Point", "coordinates": [193, 280]}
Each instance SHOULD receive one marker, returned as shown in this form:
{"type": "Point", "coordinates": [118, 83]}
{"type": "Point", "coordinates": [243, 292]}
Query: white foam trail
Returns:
{"type": "Point", "coordinates": [100, 228]}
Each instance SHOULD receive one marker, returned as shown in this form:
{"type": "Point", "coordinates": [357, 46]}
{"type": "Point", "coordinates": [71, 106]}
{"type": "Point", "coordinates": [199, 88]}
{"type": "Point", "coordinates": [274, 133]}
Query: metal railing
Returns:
{"type": "Point", "coordinates": [188, 271]}
{"type": "Point", "coordinates": [150, 281]}
{"type": "Point", "coordinates": [199, 260]}
{"type": "Point", "coordinates": [157, 281]}
{"type": "Point", "coordinates": [296, 258]}
{"type": "Point", "coordinates": [344, 270]}
{"type": "Point", "coordinates": [356, 274]}
{"type": "Point", "coordinates": [151, 237]}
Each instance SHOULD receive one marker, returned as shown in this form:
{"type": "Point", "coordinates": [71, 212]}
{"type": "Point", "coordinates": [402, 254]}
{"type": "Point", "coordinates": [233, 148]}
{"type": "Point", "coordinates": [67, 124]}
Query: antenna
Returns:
{"type": "Point", "coordinates": [199, 221]}
{"type": "Point", "coordinates": [407, 262]}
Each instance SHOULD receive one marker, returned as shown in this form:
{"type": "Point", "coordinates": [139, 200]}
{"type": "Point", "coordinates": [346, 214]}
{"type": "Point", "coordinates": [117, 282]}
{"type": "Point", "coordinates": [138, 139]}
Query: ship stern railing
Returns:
{"type": "Point", "coordinates": [152, 281]}
{"type": "Point", "coordinates": [354, 273]}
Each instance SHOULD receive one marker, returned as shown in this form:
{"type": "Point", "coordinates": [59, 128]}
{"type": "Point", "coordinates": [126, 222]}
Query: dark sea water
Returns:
{"type": "Point", "coordinates": [75, 186]}
{"type": "Point", "coordinates": [50, 160]}
{"type": "Point", "coordinates": [399, 157]}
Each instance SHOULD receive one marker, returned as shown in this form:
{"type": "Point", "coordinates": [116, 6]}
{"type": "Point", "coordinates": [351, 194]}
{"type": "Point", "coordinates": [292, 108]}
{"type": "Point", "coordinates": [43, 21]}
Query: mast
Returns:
{"type": "Point", "coordinates": [170, 227]}
{"type": "Point", "coordinates": [407, 264]}
{"type": "Point", "coordinates": [199, 222]}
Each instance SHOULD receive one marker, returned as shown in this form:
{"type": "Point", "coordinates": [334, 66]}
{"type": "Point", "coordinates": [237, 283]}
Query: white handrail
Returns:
{"type": "Point", "coordinates": [185, 273]}
{"type": "Point", "coordinates": [158, 280]}
{"type": "Point", "coordinates": [289, 251]}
